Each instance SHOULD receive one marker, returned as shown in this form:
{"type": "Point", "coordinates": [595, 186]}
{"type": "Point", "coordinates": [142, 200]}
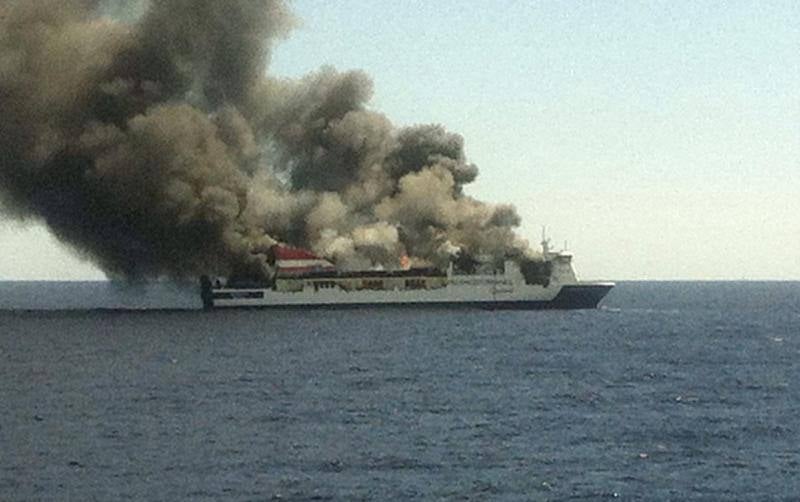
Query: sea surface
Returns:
{"type": "Point", "coordinates": [670, 391]}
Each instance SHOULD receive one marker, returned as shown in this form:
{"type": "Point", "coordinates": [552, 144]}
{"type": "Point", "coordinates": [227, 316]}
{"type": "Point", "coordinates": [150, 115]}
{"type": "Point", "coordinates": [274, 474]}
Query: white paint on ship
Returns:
{"type": "Point", "coordinates": [507, 287]}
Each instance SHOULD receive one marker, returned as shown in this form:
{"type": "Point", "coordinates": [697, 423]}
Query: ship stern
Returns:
{"type": "Point", "coordinates": [206, 293]}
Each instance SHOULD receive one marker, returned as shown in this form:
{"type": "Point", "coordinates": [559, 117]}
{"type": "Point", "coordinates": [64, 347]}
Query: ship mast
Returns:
{"type": "Point", "coordinates": [545, 243]}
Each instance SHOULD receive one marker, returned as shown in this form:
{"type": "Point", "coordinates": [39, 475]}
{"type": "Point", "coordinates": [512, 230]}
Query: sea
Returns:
{"type": "Point", "coordinates": [669, 391]}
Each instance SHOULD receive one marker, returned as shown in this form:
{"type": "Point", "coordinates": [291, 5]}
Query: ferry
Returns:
{"type": "Point", "coordinates": [304, 280]}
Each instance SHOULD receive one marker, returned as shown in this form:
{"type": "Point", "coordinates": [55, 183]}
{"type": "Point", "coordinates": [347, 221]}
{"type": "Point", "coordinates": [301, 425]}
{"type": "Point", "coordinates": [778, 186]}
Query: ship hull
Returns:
{"type": "Point", "coordinates": [580, 296]}
{"type": "Point", "coordinates": [568, 297]}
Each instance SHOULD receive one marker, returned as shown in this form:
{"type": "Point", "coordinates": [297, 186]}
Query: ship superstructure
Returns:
{"type": "Point", "coordinates": [305, 280]}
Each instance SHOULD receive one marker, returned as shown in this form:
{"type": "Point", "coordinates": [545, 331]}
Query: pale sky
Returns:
{"type": "Point", "coordinates": [660, 139]}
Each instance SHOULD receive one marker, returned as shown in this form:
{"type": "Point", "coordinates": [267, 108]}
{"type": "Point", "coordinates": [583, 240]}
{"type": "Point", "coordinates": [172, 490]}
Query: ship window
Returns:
{"type": "Point", "coordinates": [415, 284]}
{"type": "Point", "coordinates": [373, 284]}
{"type": "Point", "coordinates": [324, 285]}
{"type": "Point", "coordinates": [239, 295]}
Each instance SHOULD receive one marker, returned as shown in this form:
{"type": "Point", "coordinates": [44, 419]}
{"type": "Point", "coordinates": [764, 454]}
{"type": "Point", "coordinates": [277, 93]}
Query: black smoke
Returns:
{"type": "Point", "coordinates": [150, 137]}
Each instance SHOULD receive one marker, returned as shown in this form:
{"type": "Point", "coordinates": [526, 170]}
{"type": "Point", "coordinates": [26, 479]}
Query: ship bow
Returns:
{"type": "Point", "coordinates": [582, 295]}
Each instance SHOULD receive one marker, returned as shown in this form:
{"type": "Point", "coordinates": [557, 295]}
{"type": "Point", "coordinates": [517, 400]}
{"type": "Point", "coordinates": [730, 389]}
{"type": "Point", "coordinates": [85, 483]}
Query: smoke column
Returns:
{"type": "Point", "coordinates": [155, 143]}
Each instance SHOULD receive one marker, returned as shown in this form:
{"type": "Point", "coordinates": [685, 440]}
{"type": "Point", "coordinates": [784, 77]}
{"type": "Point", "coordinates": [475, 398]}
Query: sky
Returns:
{"type": "Point", "coordinates": [657, 140]}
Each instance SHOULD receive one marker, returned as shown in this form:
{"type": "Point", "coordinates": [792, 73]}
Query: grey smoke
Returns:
{"type": "Point", "coordinates": [148, 136]}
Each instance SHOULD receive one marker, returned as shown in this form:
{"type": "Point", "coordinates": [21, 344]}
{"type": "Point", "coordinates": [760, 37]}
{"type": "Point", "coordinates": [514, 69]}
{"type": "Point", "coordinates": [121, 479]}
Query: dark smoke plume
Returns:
{"type": "Point", "coordinates": [155, 143]}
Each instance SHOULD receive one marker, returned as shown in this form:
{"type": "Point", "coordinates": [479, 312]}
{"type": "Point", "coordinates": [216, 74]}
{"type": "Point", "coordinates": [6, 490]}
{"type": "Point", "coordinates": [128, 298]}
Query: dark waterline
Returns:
{"type": "Point", "coordinates": [671, 391]}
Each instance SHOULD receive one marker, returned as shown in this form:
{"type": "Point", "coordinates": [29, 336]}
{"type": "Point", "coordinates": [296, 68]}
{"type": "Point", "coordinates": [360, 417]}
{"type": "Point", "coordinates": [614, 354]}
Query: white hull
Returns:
{"type": "Point", "coordinates": [509, 289]}
{"type": "Point", "coordinates": [500, 296]}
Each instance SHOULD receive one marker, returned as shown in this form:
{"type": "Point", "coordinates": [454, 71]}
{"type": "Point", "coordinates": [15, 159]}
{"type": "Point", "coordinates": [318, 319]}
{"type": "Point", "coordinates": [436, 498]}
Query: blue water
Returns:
{"type": "Point", "coordinates": [671, 391]}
